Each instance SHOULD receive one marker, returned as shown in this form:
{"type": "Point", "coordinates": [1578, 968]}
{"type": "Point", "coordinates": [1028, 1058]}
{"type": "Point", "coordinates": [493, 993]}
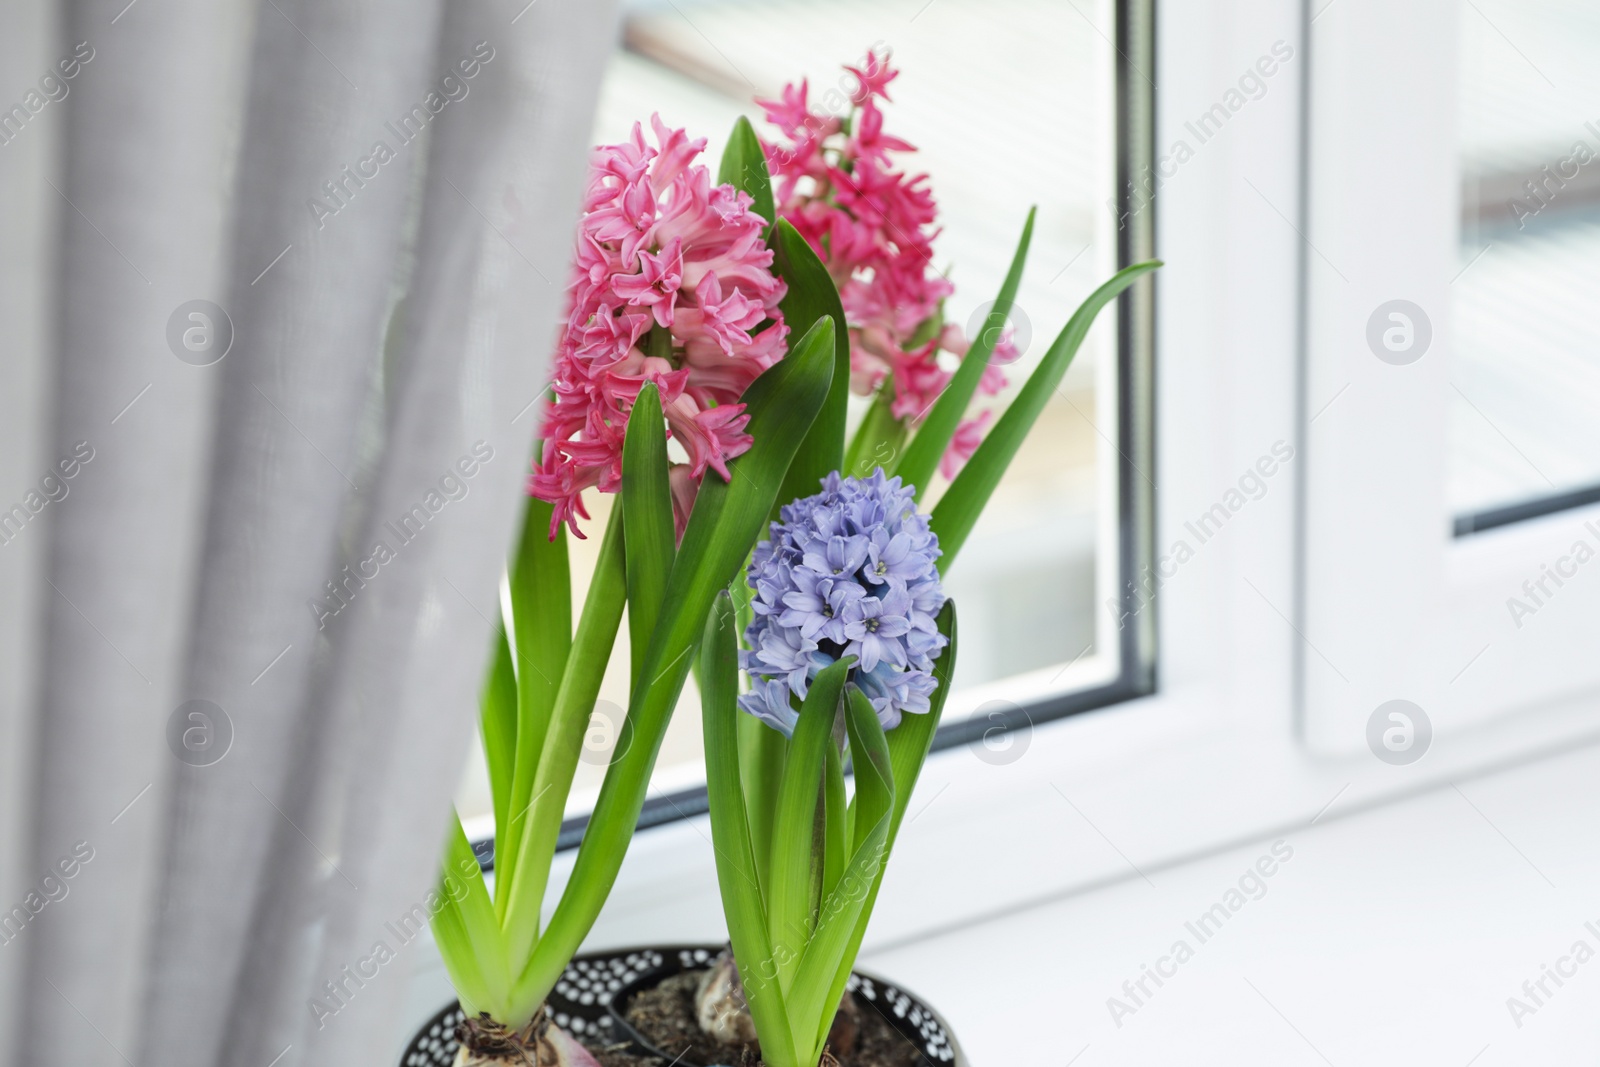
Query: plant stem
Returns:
{"type": "Point", "coordinates": [658, 343]}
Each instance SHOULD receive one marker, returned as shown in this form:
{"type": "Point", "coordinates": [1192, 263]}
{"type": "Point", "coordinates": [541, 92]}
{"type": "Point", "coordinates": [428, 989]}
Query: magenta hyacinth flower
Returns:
{"type": "Point", "coordinates": [672, 284]}
{"type": "Point", "coordinates": [836, 180]}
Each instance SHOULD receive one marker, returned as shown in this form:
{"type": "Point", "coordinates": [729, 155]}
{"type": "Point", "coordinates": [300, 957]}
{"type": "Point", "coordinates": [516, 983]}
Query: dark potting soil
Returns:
{"type": "Point", "coordinates": [620, 1057]}
{"type": "Point", "coordinates": [665, 1015]}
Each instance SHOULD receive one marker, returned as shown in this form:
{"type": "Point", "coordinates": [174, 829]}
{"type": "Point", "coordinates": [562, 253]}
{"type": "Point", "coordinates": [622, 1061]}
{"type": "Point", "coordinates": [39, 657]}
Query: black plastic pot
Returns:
{"type": "Point", "coordinates": [583, 1000]}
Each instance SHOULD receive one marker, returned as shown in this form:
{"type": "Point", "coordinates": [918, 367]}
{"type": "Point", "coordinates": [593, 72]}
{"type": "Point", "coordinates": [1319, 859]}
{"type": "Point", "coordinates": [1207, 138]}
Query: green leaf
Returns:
{"type": "Point", "coordinates": [460, 962]}
{"type": "Point", "coordinates": [879, 439]}
{"type": "Point", "coordinates": [909, 744]}
{"type": "Point", "coordinates": [466, 929]}
{"type": "Point", "coordinates": [958, 510]}
{"type": "Point", "coordinates": [829, 956]}
{"type": "Point", "coordinates": [541, 624]}
{"type": "Point", "coordinates": [812, 297]}
{"type": "Point", "coordinates": [791, 904]}
{"type": "Point", "coordinates": [744, 166]}
{"type": "Point", "coordinates": [836, 820]}
{"type": "Point", "coordinates": [728, 517]}
{"type": "Point", "coordinates": [736, 862]}
{"type": "Point", "coordinates": [762, 752]}
{"type": "Point", "coordinates": [647, 518]}
{"type": "Point", "coordinates": [563, 746]}
{"type": "Point", "coordinates": [911, 741]}
{"type": "Point", "coordinates": [922, 456]}
{"type": "Point", "coordinates": [497, 725]}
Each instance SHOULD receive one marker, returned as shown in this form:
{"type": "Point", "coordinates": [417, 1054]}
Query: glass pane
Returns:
{"type": "Point", "coordinates": [1008, 104]}
{"type": "Point", "coordinates": [1526, 367]}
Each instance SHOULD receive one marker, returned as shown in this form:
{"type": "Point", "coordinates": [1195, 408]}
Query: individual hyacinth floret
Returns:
{"type": "Point", "coordinates": [672, 284]}
{"type": "Point", "coordinates": [850, 571]}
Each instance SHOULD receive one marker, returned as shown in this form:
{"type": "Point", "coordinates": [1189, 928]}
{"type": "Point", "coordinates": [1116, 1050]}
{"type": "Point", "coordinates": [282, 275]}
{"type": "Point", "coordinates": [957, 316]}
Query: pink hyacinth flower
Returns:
{"type": "Point", "coordinates": [873, 226]}
{"type": "Point", "coordinates": [963, 443]}
{"type": "Point", "coordinates": [671, 284]}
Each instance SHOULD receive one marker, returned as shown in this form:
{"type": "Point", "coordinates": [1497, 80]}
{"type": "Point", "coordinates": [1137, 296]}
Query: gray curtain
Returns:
{"type": "Point", "coordinates": [278, 283]}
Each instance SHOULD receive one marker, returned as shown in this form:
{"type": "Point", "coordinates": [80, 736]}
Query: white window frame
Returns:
{"type": "Point", "coordinates": [1244, 737]}
{"type": "Point", "coordinates": [1395, 605]}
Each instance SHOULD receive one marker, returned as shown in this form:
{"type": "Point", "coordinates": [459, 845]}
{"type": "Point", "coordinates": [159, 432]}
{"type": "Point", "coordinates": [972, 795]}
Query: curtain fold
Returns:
{"type": "Point", "coordinates": [242, 650]}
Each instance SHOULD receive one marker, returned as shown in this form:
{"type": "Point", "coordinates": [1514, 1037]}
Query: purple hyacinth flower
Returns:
{"type": "Point", "coordinates": [836, 556]}
{"type": "Point", "coordinates": [769, 701]}
{"type": "Point", "coordinates": [786, 652]}
{"type": "Point", "coordinates": [818, 605]}
{"type": "Point", "coordinates": [851, 570]}
{"type": "Point", "coordinates": [872, 625]}
{"type": "Point", "coordinates": [893, 557]}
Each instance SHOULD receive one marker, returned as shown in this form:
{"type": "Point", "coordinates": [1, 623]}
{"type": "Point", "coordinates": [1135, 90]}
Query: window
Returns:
{"type": "Point", "coordinates": [1449, 358]}
{"type": "Point", "coordinates": [1294, 201]}
{"type": "Point", "coordinates": [1008, 104]}
{"type": "Point", "coordinates": [1523, 437]}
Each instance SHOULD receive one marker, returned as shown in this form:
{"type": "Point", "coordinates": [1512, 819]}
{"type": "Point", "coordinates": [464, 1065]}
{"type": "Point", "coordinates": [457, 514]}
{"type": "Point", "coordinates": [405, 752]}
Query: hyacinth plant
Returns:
{"type": "Point", "coordinates": [841, 627]}
{"type": "Point", "coordinates": [712, 316]}
{"type": "Point", "coordinates": [691, 314]}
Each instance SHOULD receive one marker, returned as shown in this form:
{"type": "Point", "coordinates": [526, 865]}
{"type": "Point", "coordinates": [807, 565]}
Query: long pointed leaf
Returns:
{"type": "Point", "coordinates": [958, 510]}
{"type": "Point", "coordinates": [497, 725]}
{"type": "Point", "coordinates": [465, 926]}
{"type": "Point", "coordinates": [647, 517]}
{"type": "Point", "coordinates": [762, 752]}
{"type": "Point", "coordinates": [909, 744]}
{"type": "Point", "coordinates": [541, 624]}
{"type": "Point", "coordinates": [563, 746]}
{"type": "Point", "coordinates": [827, 957]}
{"type": "Point", "coordinates": [727, 519]}
{"type": "Point", "coordinates": [744, 166]}
{"type": "Point", "coordinates": [836, 817]}
{"type": "Point", "coordinates": [791, 905]}
{"type": "Point", "coordinates": [736, 864]}
{"type": "Point", "coordinates": [811, 297]}
{"type": "Point", "coordinates": [922, 456]}
{"type": "Point", "coordinates": [879, 439]}
{"type": "Point", "coordinates": [460, 962]}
